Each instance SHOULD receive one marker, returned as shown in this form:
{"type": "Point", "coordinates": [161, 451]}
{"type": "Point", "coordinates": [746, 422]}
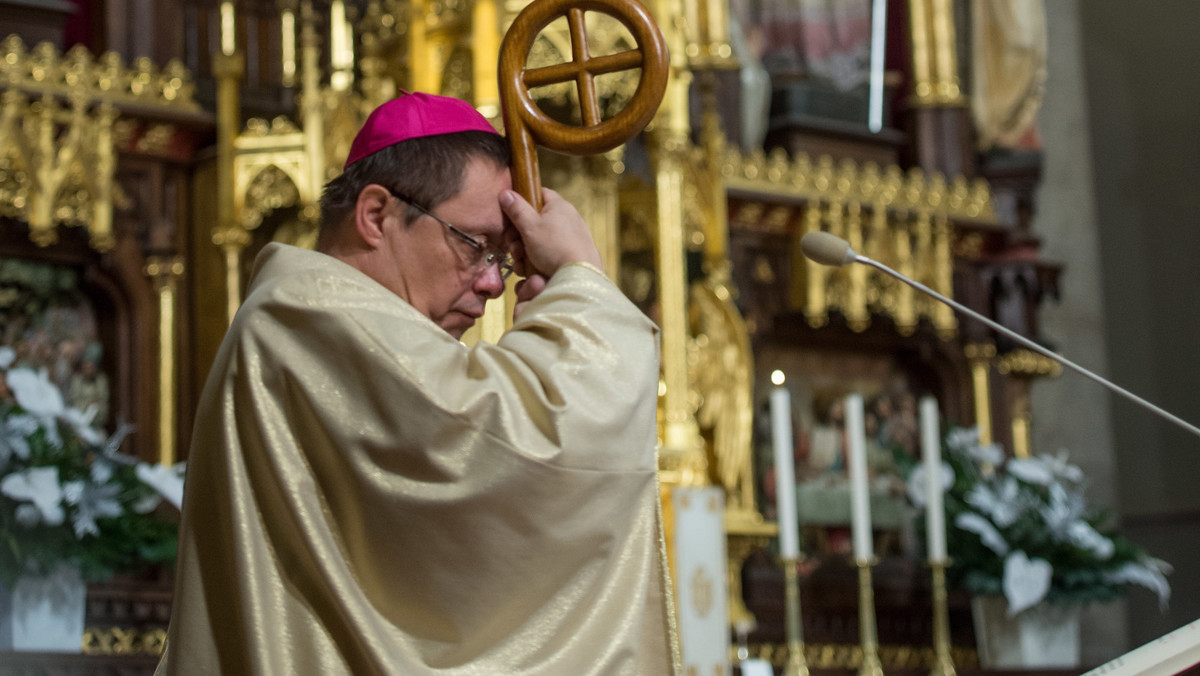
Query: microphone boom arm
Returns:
{"type": "Point", "coordinates": [1027, 343]}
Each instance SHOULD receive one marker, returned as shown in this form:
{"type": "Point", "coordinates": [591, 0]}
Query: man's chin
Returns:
{"type": "Point", "coordinates": [457, 324]}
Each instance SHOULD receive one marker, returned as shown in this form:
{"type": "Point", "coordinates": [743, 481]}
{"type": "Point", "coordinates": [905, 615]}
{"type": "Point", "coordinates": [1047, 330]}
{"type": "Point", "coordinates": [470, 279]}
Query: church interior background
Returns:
{"type": "Point", "coordinates": [1028, 159]}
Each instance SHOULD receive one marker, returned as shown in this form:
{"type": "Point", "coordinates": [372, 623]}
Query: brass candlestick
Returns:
{"type": "Point", "coordinates": [943, 665]}
{"type": "Point", "coordinates": [871, 666]}
{"type": "Point", "coordinates": [796, 664]}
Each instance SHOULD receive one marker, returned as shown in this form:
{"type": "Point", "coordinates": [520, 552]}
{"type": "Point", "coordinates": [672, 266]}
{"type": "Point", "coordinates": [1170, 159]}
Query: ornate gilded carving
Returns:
{"type": "Point", "coordinates": [1022, 362]}
{"type": "Point", "coordinates": [57, 151]}
{"type": "Point", "coordinates": [721, 372]}
{"type": "Point", "coordinates": [45, 70]}
{"type": "Point", "coordinates": [903, 220]}
{"type": "Point", "coordinates": [269, 189]}
{"type": "Point", "coordinates": [122, 641]}
{"type": "Point", "coordinates": [847, 656]}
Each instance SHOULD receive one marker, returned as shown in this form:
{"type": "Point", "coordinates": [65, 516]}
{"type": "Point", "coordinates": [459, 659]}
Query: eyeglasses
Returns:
{"type": "Point", "coordinates": [481, 256]}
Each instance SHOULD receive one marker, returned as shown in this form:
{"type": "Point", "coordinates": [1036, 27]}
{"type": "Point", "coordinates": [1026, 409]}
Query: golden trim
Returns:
{"type": "Point", "coordinates": [943, 660]}
{"type": "Point", "coordinates": [947, 90]}
{"type": "Point", "coordinates": [1021, 434]}
{"type": "Point", "coordinates": [1022, 362]}
{"type": "Point", "coordinates": [228, 69]}
{"type": "Point", "coordinates": [1022, 426]}
{"type": "Point", "coordinates": [46, 71]}
{"type": "Point", "coordinates": [165, 273]}
{"type": "Point", "coordinates": [848, 657]}
{"type": "Point", "coordinates": [902, 219]}
{"type": "Point", "coordinates": [979, 356]}
{"type": "Point", "coordinates": [923, 86]}
{"type": "Point", "coordinates": [796, 664]}
{"type": "Point", "coordinates": [867, 631]}
{"type": "Point", "coordinates": [682, 447]}
{"type": "Point", "coordinates": [934, 54]}
{"type": "Point", "coordinates": [122, 641]}
{"type": "Point", "coordinates": [58, 160]}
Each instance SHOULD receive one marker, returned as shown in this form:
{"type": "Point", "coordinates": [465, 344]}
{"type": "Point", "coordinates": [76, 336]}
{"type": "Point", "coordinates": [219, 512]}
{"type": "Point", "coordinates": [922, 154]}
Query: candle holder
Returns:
{"type": "Point", "coordinates": [796, 664]}
{"type": "Point", "coordinates": [943, 665]}
{"type": "Point", "coordinates": [871, 666]}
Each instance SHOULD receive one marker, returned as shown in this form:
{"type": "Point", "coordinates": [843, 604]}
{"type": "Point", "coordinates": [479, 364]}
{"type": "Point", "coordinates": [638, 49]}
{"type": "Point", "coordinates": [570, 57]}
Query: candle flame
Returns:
{"type": "Point", "coordinates": [777, 377]}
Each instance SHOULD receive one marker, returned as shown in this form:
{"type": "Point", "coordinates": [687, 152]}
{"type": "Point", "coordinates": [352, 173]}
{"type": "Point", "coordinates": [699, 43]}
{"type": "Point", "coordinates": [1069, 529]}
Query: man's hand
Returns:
{"type": "Point", "coordinates": [527, 289]}
{"type": "Point", "coordinates": [551, 239]}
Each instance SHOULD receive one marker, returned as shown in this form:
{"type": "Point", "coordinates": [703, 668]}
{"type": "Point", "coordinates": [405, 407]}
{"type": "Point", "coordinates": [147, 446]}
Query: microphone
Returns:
{"type": "Point", "coordinates": [828, 249]}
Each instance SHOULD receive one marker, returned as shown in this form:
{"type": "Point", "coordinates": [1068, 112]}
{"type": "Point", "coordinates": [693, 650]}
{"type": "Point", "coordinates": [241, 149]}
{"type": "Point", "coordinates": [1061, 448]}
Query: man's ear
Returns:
{"type": "Point", "coordinates": [369, 214]}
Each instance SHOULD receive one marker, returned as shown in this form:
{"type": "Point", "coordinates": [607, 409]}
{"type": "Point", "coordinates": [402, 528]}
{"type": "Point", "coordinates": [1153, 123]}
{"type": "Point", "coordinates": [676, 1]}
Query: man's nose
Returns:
{"type": "Point", "coordinates": [489, 282]}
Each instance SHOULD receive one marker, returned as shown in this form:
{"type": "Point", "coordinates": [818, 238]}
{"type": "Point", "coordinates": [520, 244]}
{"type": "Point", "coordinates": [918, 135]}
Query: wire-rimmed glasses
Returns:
{"type": "Point", "coordinates": [482, 255]}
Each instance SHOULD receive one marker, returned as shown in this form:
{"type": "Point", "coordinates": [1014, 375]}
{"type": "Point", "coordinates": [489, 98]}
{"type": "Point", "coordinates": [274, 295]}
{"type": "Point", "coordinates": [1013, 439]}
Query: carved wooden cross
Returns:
{"type": "Point", "coordinates": [526, 124]}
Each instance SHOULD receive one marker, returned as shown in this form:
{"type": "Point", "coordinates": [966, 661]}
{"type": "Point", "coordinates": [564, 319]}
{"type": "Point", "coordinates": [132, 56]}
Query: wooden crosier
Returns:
{"type": "Point", "coordinates": [527, 125]}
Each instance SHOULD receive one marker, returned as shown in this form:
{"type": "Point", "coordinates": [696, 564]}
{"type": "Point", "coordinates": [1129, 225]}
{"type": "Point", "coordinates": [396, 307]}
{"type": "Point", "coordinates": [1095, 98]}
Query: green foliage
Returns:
{"type": "Point", "coordinates": [998, 508]}
{"type": "Point", "coordinates": [68, 495]}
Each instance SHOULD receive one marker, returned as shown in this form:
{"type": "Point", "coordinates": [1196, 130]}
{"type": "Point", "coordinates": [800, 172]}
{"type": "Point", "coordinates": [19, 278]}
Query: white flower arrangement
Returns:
{"type": "Point", "coordinates": [1021, 527]}
{"type": "Point", "coordinates": [67, 494]}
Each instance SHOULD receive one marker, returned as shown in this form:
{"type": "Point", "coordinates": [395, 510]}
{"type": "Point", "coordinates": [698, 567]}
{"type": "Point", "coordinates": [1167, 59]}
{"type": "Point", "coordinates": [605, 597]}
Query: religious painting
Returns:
{"type": "Point", "coordinates": [51, 324]}
{"type": "Point", "coordinates": [818, 382]}
{"type": "Point", "coordinates": [817, 53]}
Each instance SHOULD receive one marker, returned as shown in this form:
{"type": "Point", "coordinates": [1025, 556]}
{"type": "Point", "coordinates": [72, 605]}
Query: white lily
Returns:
{"type": "Point", "coordinates": [7, 356]}
{"type": "Point", "coordinates": [38, 397]}
{"type": "Point", "coordinates": [95, 499]}
{"type": "Point", "coordinates": [81, 422]}
{"type": "Point", "coordinates": [38, 486]}
{"type": "Point", "coordinates": [1061, 511]}
{"type": "Point", "coordinates": [1002, 502]}
{"type": "Point", "coordinates": [1026, 581]}
{"type": "Point", "coordinates": [13, 432]}
{"type": "Point", "coordinates": [35, 393]}
{"type": "Point", "coordinates": [1149, 573]}
{"type": "Point", "coordinates": [1061, 468]}
{"type": "Point", "coordinates": [1031, 470]}
{"type": "Point", "coordinates": [991, 454]}
{"type": "Point", "coordinates": [1084, 536]}
{"type": "Point", "coordinates": [168, 481]}
{"type": "Point", "coordinates": [963, 438]}
{"type": "Point", "coordinates": [918, 481]}
{"type": "Point", "coordinates": [991, 538]}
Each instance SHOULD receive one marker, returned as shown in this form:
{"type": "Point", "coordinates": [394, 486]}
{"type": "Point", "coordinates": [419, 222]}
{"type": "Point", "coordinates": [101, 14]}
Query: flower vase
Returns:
{"type": "Point", "coordinates": [44, 614]}
{"type": "Point", "coordinates": [1044, 636]}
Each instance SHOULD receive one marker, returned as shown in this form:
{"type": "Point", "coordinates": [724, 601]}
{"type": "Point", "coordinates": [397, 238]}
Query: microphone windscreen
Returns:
{"type": "Point", "coordinates": [827, 249]}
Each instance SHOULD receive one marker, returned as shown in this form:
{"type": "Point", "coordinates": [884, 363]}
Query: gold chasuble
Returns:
{"type": "Point", "coordinates": [366, 495]}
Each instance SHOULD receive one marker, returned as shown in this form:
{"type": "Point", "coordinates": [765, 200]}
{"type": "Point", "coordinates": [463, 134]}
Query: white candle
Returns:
{"type": "Point", "coordinates": [228, 39]}
{"type": "Point", "coordinates": [878, 45]}
{"type": "Point", "coordinates": [931, 453]}
{"type": "Point", "coordinates": [860, 492]}
{"type": "Point", "coordinates": [287, 48]}
{"type": "Point", "coordinates": [339, 43]}
{"type": "Point", "coordinates": [785, 471]}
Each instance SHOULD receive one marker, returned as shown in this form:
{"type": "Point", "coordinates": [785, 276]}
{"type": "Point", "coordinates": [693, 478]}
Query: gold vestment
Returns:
{"type": "Point", "coordinates": [367, 495]}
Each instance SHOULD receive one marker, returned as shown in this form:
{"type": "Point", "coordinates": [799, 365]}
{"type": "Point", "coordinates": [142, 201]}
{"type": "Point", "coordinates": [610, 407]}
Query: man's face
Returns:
{"type": "Point", "coordinates": [432, 268]}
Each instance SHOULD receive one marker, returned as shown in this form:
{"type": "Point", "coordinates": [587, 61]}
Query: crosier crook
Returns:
{"type": "Point", "coordinates": [527, 125]}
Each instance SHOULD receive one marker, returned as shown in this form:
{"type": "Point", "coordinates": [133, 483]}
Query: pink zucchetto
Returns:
{"type": "Point", "coordinates": [414, 115]}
